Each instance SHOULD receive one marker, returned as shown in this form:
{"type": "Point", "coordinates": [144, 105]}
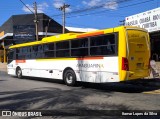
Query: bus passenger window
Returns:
{"type": "Point", "coordinates": [40, 49]}
{"type": "Point", "coordinates": [62, 45]}
{"type": "Point", "coordinates": [62, 53]}
{"type": "Point", "coordinates": [45, 47]}
{"type": "Point", "coordinates": [35, 49]}
{"type": "Point", "coordinates": [84, 42]}
{"type": "Point", "coordinates": [75, 52]}
{"type": "Point", "coordinates": [74, 44]}
{"type": "Point", "coordinates": [17, 50]}
{"type": "Point", "coordinates": [49, 54]}
{"type": "Point", "coordinates": [103, 45]}
{"type": "Point", "coordinates": [51, 46]}
{"type": "Point", "coordinates": [83, 51]}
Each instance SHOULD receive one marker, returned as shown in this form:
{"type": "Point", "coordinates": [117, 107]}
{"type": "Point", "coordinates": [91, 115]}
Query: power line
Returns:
{"type": "Point", "coordinates": [26, 6]}
{"type": "Point", "coordinates": [97, 7]}
{"type": "Point", "coordinates": [103, 11]}
{"type": "Point", "coordinates": [100, 12]}
{"type": "Point", "coordinates": [89, 8]}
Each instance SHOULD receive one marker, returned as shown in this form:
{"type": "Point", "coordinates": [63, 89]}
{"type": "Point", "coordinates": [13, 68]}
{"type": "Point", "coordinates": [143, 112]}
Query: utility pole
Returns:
{"type": "Point", "coordinates": [46, 28]}
{"type": "Point", "coordinates": [36, 20]}
{"type": "Point", "coordinates": [63, 9]}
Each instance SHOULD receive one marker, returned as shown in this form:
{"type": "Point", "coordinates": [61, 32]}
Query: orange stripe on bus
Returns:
{"type": "Point", "coordinates": [90, 34]}
{"type": "Point", "coordinates": [20, 61]}
{"type": "Point", "coordinates": [90, 58]}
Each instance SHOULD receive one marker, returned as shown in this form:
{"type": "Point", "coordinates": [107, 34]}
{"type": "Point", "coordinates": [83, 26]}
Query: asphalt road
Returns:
{"type": "Point", "coordinates": [46, 94]}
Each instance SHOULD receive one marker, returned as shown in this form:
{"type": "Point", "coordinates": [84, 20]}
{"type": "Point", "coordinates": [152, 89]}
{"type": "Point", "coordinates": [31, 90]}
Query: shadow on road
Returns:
{"type": "Point", "coordinates": [52, 99]}
{"type": "Point", "coordinates": [73, 99]}
{"type": "Point", "coordinates": [134, 86]}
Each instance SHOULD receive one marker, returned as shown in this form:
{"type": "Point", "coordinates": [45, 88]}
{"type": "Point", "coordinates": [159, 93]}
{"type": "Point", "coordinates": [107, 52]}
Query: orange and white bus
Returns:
{"type": "Point", "coordinates": [109, 55]}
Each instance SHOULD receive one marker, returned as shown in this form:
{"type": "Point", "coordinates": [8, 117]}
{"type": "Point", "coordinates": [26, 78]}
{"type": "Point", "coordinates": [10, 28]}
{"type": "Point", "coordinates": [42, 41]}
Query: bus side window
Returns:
{"type": "Point", "coordinates": [51, 46]}
{"type": "Point", "coordinates": [84, 42]}
{"type": "Point", "coordinates": [45, 47]}
{"type": "Point", "coordinates": [10, 56]}
{"type": "Point", "coordinates": [62, 45]}
{"type": "Point", "coordinates": [62, 49]}
{"type": "Point", "coordinates": [28, 52]}
{"type": "Point", "coordinates": [102, 45]}
{"type": "Point", "coordinates": [35, 48]}
{"type": "Point", "coordinates": [48, 50]}
{"type": "Point", "coordinates": [110, 42]}
{"type": "Point", "coordinates": [40, 48]}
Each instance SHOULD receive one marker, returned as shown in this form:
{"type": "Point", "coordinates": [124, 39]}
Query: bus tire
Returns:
{"type": "Point", "coordinates": [19, 72]}
{"type": "Point", "coordinates": [69, 77]}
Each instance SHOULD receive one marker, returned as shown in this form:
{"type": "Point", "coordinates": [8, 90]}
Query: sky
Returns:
{"type": "Point", "coordinates": [98, 14]}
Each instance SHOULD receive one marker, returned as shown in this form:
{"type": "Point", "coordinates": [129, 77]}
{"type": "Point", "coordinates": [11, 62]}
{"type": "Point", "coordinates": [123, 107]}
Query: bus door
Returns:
{"type": "Point", "coordinates": [138, 53]}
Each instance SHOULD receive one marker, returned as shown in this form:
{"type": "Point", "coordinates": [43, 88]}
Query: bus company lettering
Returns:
{"type": "Point", "coordinates": [90, 65]}
{"type": "Point", "coordinates": [144, 20]}
{"type": "Point", "coordinates": [150, 24]}
{"type": "Point", "coordinates": [132, 23]}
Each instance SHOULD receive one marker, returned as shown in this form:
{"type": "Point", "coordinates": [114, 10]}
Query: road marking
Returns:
{"type": "Point", "coordinates": [152, 92]}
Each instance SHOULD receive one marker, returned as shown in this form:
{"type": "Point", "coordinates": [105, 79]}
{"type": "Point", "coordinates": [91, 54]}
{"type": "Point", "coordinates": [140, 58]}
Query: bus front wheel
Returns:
{"type": "Point", "coordinates": [69, 77]}
{"type": "Point", "coordinates": [19, 72]}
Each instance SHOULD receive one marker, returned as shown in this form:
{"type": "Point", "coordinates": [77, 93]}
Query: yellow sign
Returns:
{"type": "Point", "coordinates": [1, 33]}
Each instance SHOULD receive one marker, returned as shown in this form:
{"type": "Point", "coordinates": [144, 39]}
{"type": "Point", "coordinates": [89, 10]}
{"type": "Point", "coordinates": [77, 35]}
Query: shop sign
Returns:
{"type": "Point", "coordinates": [150, 20]}
{"type": "Point", "coordinates": [23, 33]}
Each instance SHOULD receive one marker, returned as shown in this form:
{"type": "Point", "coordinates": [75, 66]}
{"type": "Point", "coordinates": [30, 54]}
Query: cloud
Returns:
{"type": "Point", "coordinates": [59, 3]}
{"type": "Point", "coordinates": [112, 4]}
{"type": "Point", "coordinates": [84, 2]}
{"type": "Point", "coordinates": [92, 3]}
{"type": "Point", "coordinates": [25, 9]}
{"type": "Point", "coordinates": [68, 10]}
{"type": "Point", "coordinates": [40, 8]}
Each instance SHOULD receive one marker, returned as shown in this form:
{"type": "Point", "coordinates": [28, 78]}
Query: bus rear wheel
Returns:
{"type": "Point", "coordinates": [19, 72]}
{"type": "Point", "coordinates": [69, 77]}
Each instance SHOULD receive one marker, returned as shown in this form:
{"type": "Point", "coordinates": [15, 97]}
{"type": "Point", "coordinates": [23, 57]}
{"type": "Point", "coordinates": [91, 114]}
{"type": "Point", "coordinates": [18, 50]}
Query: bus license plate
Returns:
{"type": "Point", "coordinates": [140, 65]}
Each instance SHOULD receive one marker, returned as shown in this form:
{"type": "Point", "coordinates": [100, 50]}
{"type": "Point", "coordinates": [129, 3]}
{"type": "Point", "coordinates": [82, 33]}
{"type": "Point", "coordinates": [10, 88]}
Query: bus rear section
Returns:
{"type": "Point", "coordinates": [136, 63]}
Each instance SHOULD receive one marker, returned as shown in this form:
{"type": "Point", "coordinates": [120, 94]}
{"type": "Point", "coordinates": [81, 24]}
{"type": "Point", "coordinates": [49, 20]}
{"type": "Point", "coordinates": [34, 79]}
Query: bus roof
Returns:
{"type": "Point", "coordinates": [68, 36]}
{"type": "Point", "coordinates": [47, 40]}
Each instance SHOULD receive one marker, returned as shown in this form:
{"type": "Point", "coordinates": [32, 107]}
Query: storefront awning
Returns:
{"type": "Point", "coordinates": [6, 35]}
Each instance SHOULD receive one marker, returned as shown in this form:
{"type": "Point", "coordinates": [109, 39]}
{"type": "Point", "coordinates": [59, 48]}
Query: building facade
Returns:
{"type": "Point", "coordinates": [21, 28]}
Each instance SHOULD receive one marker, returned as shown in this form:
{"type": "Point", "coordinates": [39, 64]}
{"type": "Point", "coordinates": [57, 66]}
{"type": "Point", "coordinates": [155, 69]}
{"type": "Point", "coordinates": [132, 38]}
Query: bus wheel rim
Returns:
{"type": "Point", "coordinates": [19, 73]}
{"type": "Point", "coordinates": [69, 78]}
